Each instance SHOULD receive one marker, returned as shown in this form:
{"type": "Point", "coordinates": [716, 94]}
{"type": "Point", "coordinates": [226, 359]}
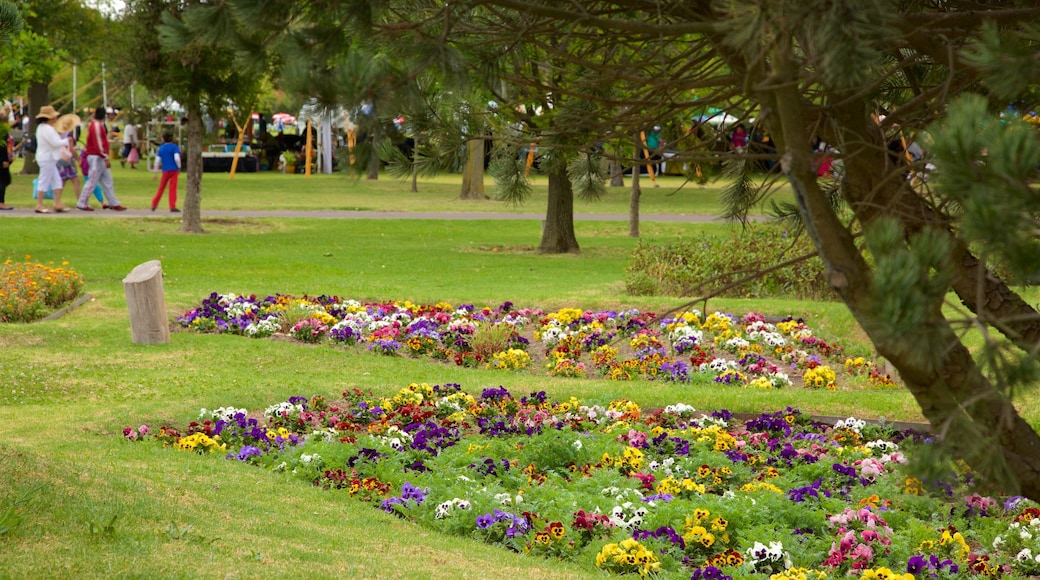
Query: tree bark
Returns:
{"type": "Point", "coordinates": [965, 408]}
{"type": "Point", "coordinates": [617, 169]}
{"type": "Point", "coordinates": [415, 167]}
{"type": "Point", "coordinates": [373, 159]}
{"type": "Point", "coordinates": [191, 221]}
{"type": "Point", "coordinates": [633, 201]}
{"type": "Point", "coordinates": [473, 171]}
{"type": "Point", "coordinates": [558, 234]}
{"type": "Point", "coordinates": [39, 95]}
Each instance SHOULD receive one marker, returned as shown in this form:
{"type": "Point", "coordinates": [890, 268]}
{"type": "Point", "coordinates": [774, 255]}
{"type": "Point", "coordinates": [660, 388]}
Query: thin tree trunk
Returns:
{"type": "Point", "coordinates": [617, 169]}
{"type": "Point", "coordinates": [373, 159]}
{"type": "Point", "coordinates": [633, 201]}
{"type": "Point", "coordinates": [558, 234]}
{"type": "Point", "coordinates": [473, 171]}
{"type": "Point", "coordinates": [39, 95]}
{"type": "Point", "coordinates": [415, 167]}
{"type": "Point", "coordinates": [192, 216]}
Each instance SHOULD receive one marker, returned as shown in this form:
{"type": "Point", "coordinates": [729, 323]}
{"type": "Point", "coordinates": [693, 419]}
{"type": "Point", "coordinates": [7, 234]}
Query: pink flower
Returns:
{"type": "Point", "coordinates": [848, 540]}
{"type": "Point", "coordinates": [861, 556]}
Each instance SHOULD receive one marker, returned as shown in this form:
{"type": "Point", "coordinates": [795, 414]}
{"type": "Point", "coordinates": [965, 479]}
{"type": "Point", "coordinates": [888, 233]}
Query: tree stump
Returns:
{"type": "Point", "coordinates": [147, 304]}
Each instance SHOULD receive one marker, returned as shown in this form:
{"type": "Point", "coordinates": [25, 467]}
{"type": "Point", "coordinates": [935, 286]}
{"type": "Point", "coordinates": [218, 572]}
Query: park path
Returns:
{"type": "Point", "coordinates": [351, 214]}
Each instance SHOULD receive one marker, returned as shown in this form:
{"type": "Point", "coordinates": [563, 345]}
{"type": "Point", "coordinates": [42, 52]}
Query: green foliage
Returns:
{"type": "Point", "coordinates": [31, 58]}
{"type": "Point", "coordinates": [1007, 61]}
{"type": "Point", "coordinates": [509, 172]}
{"type": "Point", "coordinates": [910, 280]}
{"type": "Point", "coordinates": [588, 175]}
{"type": "Point", "coordinates": [986, 168]}
{"type": "Point", "coordinates": [706, 263]}
{"type": "Point", "coordinates": [490, 338]}
{"type": "Point", "coordinates": [10, 21]}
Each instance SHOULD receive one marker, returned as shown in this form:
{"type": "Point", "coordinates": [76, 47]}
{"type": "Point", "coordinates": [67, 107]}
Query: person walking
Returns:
{"type": "Point", "coordinates": [66, 127]}
{"type": "Point", "coordinates": [129, 144]}
{"type": "Point", "coordinates": [100, 165]}
{"type": "Point", "coordinates": [5, 174]}
{"type": "Point", "coordinates": [169, 159]}
{"type": "Point", "coordinates": [50, 148]}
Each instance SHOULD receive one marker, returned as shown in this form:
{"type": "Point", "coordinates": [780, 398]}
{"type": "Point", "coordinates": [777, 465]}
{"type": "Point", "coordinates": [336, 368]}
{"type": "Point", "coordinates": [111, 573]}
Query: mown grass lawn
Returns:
{"type": "Point", "coordinates": [84, 503]}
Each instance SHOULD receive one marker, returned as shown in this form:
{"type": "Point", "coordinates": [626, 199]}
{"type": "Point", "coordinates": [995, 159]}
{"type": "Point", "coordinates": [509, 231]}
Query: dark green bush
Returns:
{"type": "Point", "coordinates": [705, 263]}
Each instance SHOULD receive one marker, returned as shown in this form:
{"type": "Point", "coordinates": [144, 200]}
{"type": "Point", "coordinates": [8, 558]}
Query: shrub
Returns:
{"type": "Point", "coordinates": [490, 338]}
{"type": "Point", "coordinates": [29, 291]}
{"type": "Point", "coordinates": [706, 263]}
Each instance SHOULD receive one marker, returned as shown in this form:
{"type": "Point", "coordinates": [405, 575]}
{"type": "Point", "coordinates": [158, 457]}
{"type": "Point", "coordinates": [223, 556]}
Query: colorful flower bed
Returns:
{"type": "Point", "coordinates": [29, 291]}
{"type": "Point", "coordinates": [671, 493]}
{"type": "Point", "coordinates": [747, 351]}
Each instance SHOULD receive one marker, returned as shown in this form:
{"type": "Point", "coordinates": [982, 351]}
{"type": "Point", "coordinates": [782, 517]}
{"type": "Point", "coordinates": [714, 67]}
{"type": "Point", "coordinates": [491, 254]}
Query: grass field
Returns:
{"type": "Point", "coordinates": [83, 503]}
{"type": "Point", "coordinates": [345, 191]}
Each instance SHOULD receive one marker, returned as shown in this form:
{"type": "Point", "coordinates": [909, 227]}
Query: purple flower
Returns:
{"type": "Point", "coordinates": [245, 453]}
{"type": "Point", "coordinates": [485, 521]}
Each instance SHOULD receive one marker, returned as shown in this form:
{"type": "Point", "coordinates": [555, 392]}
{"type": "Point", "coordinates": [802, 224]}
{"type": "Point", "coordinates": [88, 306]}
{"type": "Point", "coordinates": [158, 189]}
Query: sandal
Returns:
{"type": "Point", "coordinates": [61, 209]}
{"type": "Point", "coordinates": [43, 211]}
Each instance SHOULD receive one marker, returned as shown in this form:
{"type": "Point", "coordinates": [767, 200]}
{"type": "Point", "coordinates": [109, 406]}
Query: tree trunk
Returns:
{"type": "Point", "coordinates": [972, 416]}
{"type": "Point", "coordinates": [415, 167]}
{"type": "Point", "coordinates": [373, 159]}
{"type": "Point", "coordinates": [192, 216]}
{"type": "Point", "coordinates": [39, 95]}
{"type": "Point", "coordinates": [558, 234]}
{"type": "Point", "coordinates": [617, 169]}
{"type": "Point", "coordinates": [473, 171]}
{"type": "Point", "coordinates": [633, 202]}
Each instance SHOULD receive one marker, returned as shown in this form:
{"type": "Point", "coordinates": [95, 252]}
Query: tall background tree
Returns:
{"type": "Point", "coordinates": [192, 53]}
{"type": "Point", "coordinates": [54, 33]}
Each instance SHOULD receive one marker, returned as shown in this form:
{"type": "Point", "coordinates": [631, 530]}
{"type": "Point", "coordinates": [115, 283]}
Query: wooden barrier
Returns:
{"type": "Point", "coordinates": [147, 304]}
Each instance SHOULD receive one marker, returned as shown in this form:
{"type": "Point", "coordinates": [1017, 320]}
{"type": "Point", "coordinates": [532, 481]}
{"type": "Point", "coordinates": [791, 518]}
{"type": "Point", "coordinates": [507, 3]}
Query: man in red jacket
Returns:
{"type": "Point", "coordinates": [100, 165]}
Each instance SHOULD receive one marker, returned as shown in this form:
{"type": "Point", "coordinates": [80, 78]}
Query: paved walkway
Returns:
{"type": "Point", "coordinates": [377, 215]}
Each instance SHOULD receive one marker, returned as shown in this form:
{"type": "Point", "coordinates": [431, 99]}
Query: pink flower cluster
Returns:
{"type": "Point", "coordinates": [132, 434]}
{"type": "Point", "coordinates": [861, 533]}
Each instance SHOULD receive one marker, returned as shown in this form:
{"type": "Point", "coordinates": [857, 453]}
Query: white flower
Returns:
{"type": "Point", "coordinates": [503, 498]}
{"type": "Point", "coordinates": [578, 444]}
{"type": "Point", "coordinates": [308, 458]}
{"type": "Point", "coordinates": [1025, 554]}
{"type": "Point", "coordinates": [1025, 535]}
{"type": "Point", "coordinates": [998, 542]}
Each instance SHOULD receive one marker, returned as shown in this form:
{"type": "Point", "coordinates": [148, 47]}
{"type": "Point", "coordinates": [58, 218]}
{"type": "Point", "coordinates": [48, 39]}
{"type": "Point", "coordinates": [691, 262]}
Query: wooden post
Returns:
{"type": "Point", "coordinates": [147, 304]}
{"type": "Point", "coordinates": [308, 151]}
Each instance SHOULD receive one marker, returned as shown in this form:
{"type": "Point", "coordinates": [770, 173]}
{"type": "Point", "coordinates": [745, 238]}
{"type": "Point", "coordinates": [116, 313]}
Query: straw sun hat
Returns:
{"type": "Point", "coordinates": [46, 112]}
{"type": "Point", "coordinates": [66, 123]}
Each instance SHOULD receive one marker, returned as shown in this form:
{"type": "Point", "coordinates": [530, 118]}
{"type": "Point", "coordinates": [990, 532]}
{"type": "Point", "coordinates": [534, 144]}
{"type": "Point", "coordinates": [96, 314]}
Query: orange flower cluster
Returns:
{"type": "Point", "coordinates": [29, 291]}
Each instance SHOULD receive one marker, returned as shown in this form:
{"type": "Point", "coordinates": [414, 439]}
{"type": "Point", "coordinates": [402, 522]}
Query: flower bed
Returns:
{"type": "Point", "coordinates": [30, 291]}
{"type": "Point", "coordinates": [673, 493]}
{"type": "Point", "coordinates": [748, 351]}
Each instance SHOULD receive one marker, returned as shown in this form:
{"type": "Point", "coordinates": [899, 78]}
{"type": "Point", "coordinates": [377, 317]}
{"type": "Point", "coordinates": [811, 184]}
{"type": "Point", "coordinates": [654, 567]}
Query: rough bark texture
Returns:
{"type": "Point", "coordinates": [373, 159]}
{"type": "Point", "coordinates": [473, 171]}
{"type": "Point", "coordinates": [415, 168]}
{"type": "Point", "coordinates": [191, 221]}
{"type": "Point", "coordinates": [558, 234]}
{"type": "Point", "coordinates": [633, 202]}
{"type": "Point", "coordinates": [617, 170]}
{"type": "Point", "coordinates": [39, 95]}
{"type": "Point", "coordinates": [971, 414]}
